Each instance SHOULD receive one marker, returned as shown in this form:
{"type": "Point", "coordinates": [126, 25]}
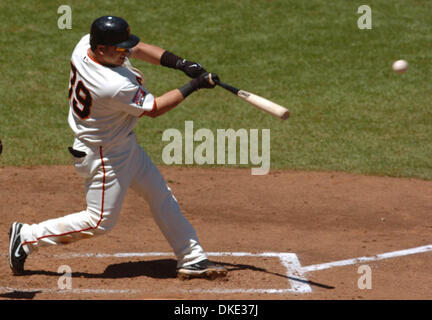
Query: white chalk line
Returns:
{"type": "Point", "coordinates": [298, 283]}
{"type": "Point", "coordinates": [298, 271]}
{"type": "Point", "coordinates": [250, 291]}
{"type": "Point", "coordinates": [382, 256]}
{"type": "Point", "coordinates": [66, 291]}
{"type": "Point", "coordinates": [140, 291]}
{"type": "Point", "coordinates": [289, 260]}
{"type": "Point", "coordinates": [165, 254]}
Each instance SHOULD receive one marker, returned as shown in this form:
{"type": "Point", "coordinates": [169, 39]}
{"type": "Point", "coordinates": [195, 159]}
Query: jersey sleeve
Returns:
{"type": "Point", "coordinates": [135, 100]}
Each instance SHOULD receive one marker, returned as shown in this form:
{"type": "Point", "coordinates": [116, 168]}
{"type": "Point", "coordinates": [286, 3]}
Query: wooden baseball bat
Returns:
{"type": "Point", "coordinates": [261, 103]}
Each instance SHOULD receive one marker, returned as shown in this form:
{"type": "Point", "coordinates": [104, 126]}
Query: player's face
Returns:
{"type": "Point", "coordinates": [114, 56]}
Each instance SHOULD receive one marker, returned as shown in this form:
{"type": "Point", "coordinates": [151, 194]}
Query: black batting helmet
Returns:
{"type": "Point", "coordinates": [112, 31]}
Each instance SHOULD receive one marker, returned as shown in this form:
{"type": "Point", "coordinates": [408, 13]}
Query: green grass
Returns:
{"type": "Point", "coordinates": [350, 111]}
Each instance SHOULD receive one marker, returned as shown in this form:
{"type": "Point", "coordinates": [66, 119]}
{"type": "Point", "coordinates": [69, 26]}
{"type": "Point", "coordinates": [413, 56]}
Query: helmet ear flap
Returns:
{"type": "Point", "coordinates": [93, 44]}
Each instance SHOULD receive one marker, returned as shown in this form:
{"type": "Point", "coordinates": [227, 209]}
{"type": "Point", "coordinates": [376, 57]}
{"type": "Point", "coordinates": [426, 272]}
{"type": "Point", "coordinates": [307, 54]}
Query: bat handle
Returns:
{"type": "Point", "coordinates": [216, 80]}
{"type": "Point", "coordinates": [228, 87]}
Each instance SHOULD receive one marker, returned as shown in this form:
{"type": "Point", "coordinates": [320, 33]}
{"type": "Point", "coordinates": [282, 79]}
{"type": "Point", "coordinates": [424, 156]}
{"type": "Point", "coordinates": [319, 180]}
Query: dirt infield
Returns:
{"type": "Point", "coordinates": [274, 233]}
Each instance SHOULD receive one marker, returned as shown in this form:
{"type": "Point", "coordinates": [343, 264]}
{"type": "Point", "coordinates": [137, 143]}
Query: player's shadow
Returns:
{"type": "Point", "coordinates": [159, 269]}
{"type": "Point", "coordinates": [164, 269]}
{"type": "Point", "coordinates": [15, 294]}
{"type": "Point", "coordinates": [232, 267]}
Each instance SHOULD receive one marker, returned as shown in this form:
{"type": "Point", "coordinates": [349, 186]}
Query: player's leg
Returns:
{"type": "Point", "coordinates": [104, 196]}
{"type": "Point", "coordinates": [105, 191]}
{"type": "Point", "coordinates": [181, 235]}
{"type": "Point", "coordinates": [149, 183]}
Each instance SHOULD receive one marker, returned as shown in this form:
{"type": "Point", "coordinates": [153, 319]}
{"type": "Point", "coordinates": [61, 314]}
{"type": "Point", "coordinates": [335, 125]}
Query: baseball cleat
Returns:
{"type": "Point", "coordinates": [17, 255]}
{"type": "Point", "coordinates": [203, 269]}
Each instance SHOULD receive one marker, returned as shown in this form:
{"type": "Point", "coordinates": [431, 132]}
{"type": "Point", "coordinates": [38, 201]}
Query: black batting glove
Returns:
{"type": "Point", "coordinates": [205, 80]}
{"type": "Point", "coordinates": [191, 69]}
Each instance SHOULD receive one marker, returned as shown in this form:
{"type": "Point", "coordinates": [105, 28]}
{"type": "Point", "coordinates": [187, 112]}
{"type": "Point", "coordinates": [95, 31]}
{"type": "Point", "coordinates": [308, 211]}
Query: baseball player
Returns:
{"type": "Point", "coordinates": [106, 98]}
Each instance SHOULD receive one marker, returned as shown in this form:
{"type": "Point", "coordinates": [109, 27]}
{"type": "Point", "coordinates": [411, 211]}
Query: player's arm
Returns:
{"type": "Point", "coordinates": [171, 99]}
{"type": "Point", "coordinates": [158, 56]}
{"type": "Point", "coordinates": [165, 103]}
{"type": "Point", "coordinates": [147, 52]}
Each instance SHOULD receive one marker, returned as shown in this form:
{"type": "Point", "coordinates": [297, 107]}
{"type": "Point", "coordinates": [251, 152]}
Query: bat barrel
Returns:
{"type": "Point", "coordinates": [261, 103]}
{"type": "Point", "coordinates": [265, 105]}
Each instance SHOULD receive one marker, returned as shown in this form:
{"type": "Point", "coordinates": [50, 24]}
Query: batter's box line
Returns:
{"type": "Point", "coordinates": [296, 279]}
{"type": "Point", "coordinates": [353, 261]}
{"type": "Point", "coordinates": [294, 271]}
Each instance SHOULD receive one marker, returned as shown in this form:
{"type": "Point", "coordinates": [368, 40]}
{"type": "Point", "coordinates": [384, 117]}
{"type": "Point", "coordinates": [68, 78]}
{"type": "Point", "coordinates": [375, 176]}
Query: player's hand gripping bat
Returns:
{"type": "Point", "coordinates": [255, 100]}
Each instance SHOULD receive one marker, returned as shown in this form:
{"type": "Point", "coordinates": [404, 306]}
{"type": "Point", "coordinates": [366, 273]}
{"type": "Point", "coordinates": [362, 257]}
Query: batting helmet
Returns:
{"type": "Point", "coordinates": [112, 31]}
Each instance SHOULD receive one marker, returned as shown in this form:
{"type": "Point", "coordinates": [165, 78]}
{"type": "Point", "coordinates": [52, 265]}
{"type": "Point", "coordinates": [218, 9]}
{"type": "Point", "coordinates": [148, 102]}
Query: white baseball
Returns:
{"type": "Point", "coordinates": [400, 66]}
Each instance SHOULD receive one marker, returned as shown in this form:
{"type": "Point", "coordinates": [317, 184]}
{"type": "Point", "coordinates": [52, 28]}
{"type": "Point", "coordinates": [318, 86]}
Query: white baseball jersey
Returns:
{"type": "Point", "coordinates": [104, 102]}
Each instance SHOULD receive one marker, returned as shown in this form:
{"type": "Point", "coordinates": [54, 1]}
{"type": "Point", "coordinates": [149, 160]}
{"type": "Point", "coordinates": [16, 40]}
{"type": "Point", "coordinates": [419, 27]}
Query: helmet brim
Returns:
{"type": "Point", "coordinates": [129, 43]}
